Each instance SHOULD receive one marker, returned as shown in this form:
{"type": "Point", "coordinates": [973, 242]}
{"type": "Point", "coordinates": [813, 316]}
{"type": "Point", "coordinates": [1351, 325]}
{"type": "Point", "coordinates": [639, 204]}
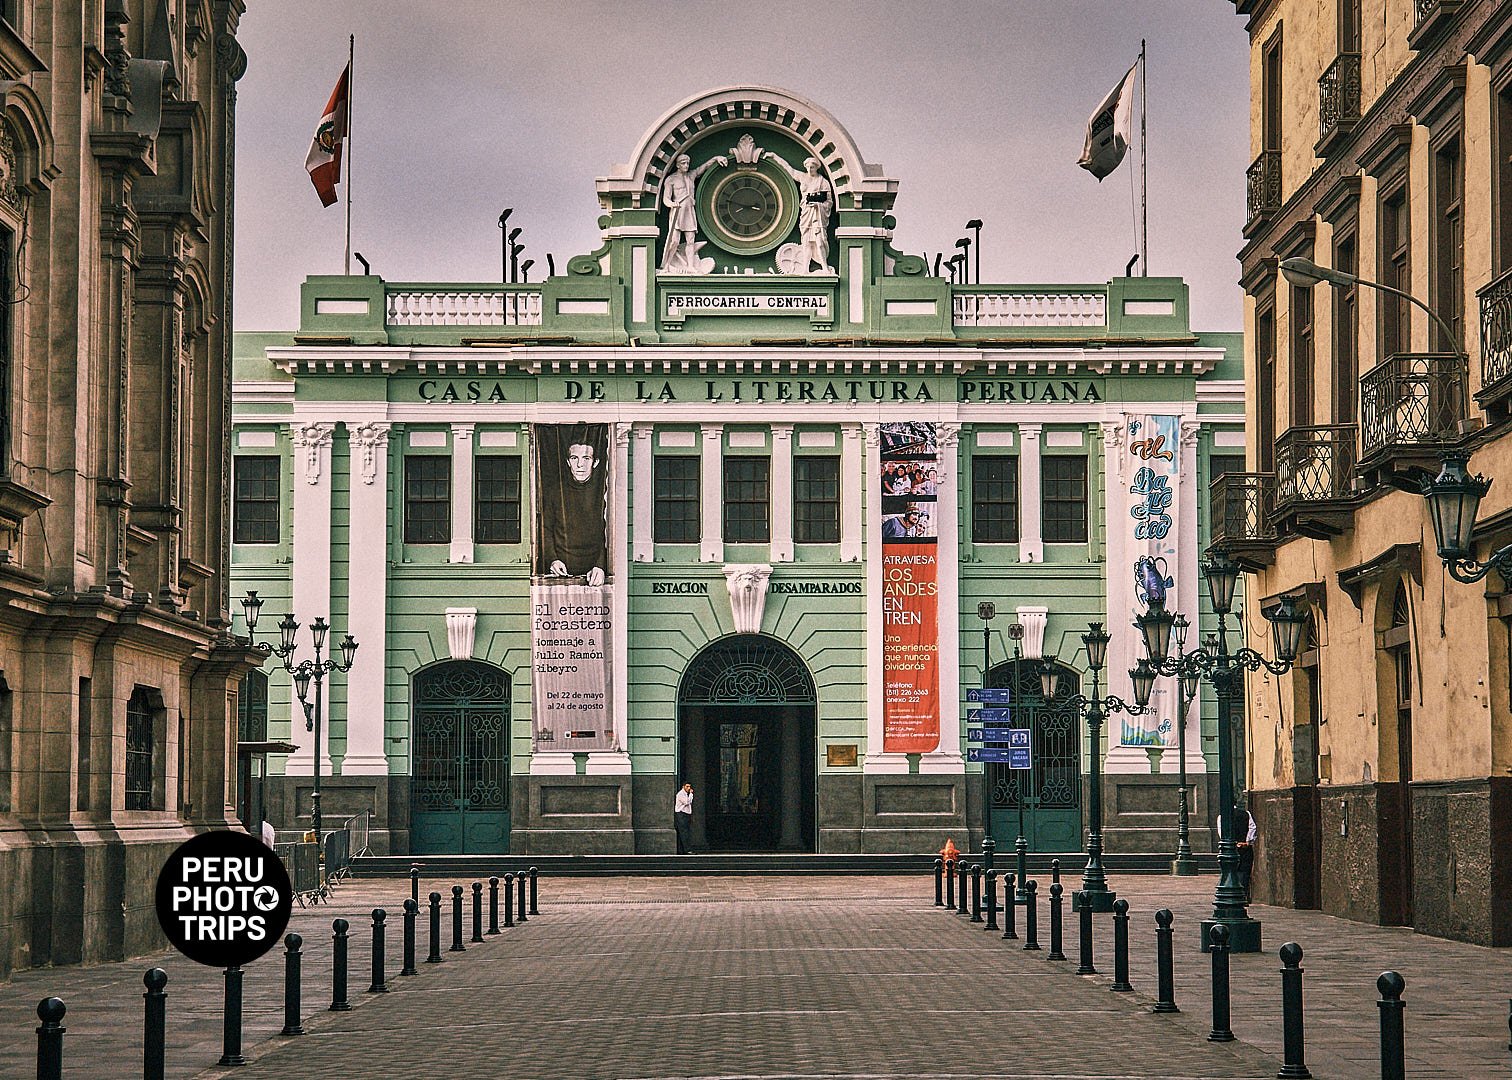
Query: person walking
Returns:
{"type": "Point", "coordinates": [682, 819]}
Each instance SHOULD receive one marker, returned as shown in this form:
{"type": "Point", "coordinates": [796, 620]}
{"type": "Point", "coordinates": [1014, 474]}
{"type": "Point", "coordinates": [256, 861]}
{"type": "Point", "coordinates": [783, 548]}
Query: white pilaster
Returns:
{"type": "Point", "coordinates": [852, 484]}
{"type": "Point", "coordinates": [876, 761]}
{"type": "Point", "coordinates": [1188, 583]}
{"type": "Point", "coordinates": [640, 277]}
{"type": "Point", "coordinates": [1031, 532]}
{"type": "Point", "coordinates": [462, 494]}
{"type": "Point", "coordinates": [947, 756]}
{"type": "Point", "coordinates": [645, 493]}
{"type": "Point", "coordinates": [1124, 648]}
{"type": "Point", "coordinates": [855, 302]}
{"type": "Point", "coordinates": [782, 493]}
{"type": "Point", "coordinates": [617, 760]}
{"type": "Point", "coordinates": [311, 571]}
{"type": "Point", "coordinates": [711, 501]}
{"type": "Point", "coordinates": [367, 612]}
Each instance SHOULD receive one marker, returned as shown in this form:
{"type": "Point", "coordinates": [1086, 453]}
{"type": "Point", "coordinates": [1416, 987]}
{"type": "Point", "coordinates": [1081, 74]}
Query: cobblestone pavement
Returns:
{"type": "Point", "coordinates": [766, 977]}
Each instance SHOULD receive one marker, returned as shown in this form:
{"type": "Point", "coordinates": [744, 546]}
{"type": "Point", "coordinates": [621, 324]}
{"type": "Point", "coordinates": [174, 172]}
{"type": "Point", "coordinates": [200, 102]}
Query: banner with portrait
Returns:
{"type": "Point", "coordinates": [571, 589]}
{"type": "Point", "coordinates": [1153, 449]}
{"type": "Point", "coordinates": [907, 494]}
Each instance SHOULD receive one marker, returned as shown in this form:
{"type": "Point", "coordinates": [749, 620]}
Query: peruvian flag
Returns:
{"type": "Point", "coordinates": [323, 163]}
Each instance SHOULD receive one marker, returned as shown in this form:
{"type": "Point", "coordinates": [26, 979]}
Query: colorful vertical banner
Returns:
{"type": "Point", "coordinates": [1154, 449]}
{"type": "Point", "coordinates": [910, 477]}
{"type": "Point", "coordinates": [571, 590]}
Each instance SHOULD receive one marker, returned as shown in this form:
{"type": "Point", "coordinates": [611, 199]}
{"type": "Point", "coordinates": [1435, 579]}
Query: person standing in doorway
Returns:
{"type": "Point", "coordinates": [682, 819]}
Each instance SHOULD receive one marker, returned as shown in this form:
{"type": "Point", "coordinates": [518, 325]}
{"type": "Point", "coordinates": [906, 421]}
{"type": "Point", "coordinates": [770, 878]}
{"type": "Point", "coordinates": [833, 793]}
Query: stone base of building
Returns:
{"type": "Point", "coordinates": [1345, 849]}
{"type": "Point", "coordinates": [1142, 813]}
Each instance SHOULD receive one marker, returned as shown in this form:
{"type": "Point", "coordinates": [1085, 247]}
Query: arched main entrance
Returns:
{"type": "Point", "coordinates": [459, 739]}
{"type": "Point", "coordinates": [1052, 809]}
{"type": "Point", "coordinates": [746, 713]}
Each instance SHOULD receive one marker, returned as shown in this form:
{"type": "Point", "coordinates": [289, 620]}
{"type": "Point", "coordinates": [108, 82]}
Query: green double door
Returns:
{"type": "Point", "coordinates": [1051, 792]}
{"type": "Point", "coordinates": [459, 796]}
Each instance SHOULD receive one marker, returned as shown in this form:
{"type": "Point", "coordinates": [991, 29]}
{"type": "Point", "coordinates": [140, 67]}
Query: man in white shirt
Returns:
{"type": "Point", "coordinates": [682, 819]}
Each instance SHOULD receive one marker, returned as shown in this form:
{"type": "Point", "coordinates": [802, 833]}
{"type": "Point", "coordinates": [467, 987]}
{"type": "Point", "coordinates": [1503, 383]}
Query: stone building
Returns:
{"type": "Point", "coordinates": [1382, 134]}
{"type": "Point", "coordinates": [117, 678]}
{"type": "Point", "coordinates": [719, 504]}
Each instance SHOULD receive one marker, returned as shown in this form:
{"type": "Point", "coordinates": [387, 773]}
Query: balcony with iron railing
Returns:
{"type": "Point", "coordinates": [1338, 100]}
{"type": "Point", "coordinates": [1315, 479]}
{"type": "Point", "coordinates": [1411, 406]}
{"type": "Point", "coordinates": [1262, 189]}
{"type": "Point", "coordinates": [1430, 17]}
{"type": "Point", "coordinates": [1495, 394]}
{"type": "Point", "coordinates": [1240, 506]}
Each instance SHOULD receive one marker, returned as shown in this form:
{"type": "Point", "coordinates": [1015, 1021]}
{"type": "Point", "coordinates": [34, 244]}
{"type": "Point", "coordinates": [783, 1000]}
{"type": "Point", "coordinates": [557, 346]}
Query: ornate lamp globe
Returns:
{"type": "Point", "coordinates": [1142, 675]}
{"type": "Point", "coordinates": [287, 628]}
{"type": "Point", "coordinates": [1454, 498]}
{"type": "Point", "coordinates": [1049, 679]}
{"type": "Point", "coordinates": [1189, 685]}
{"type": "Point", "coordinates": [1155, 626]}
{"type": "Point", "coordinates": [348, 650]}
{"type": "Point", "coordinates": [1222, 575]}
{"type": "Point", "coordinates": [1096, 640]}
{"type": "Point", "coordinates": [318, 630]}
{"type": "Point", "coordinates": [1287, 626]}
{"type": "Point", "coordinates": [251, 606]}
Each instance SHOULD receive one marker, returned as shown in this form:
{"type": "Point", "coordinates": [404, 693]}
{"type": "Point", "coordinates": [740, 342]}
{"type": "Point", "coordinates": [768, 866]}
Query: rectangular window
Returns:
{"type": "Point", "coordinates": [255, 509]}
{"type": "Point", "coordinates": [1449, 242]}
{"type": "Point", "coordinates": [6, 734]}
{"type": "Point", "coordinates": [1302, 356]}
{"type": "Point", "coordinates": [1064, 499]}
{"type": "Point", "coordinates": [1349, 26]}
{"type": "Point", "coordinates": [1346, 315]}
{"type": "Point", "coordinates": [1271, 89]}
{"type": "Point", "coordinates": [496, 505]}
{"type": "Point", "coordinates": [747, 500]}
{"type": "Point", "coordinates": [816, 499]}
{"type": "Point", "coordinates": [1265, 385]}
{"type": "Point", "coordinates": [676, 504]}
{"type": "Point", "coordinates": [1501, 203]}
{"type": "Point", "coordinates": [1396, 271]}
{"type": "Point", "coordinates": [86, 734]}
{"type": "Point", "coordinates": [141, 749]}
{"type": "Point", "coordinates": [427, 499]}
{"type": "Point", "coordinates": [994, 499]}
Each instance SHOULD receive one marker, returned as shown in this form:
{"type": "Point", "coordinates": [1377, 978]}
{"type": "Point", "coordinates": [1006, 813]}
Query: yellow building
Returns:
{"type": "Point", "coordinates": [1379, 767]}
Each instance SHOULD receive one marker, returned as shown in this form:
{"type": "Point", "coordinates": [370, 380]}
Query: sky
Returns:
{"type": "Point", "coordinates": [978, 108]}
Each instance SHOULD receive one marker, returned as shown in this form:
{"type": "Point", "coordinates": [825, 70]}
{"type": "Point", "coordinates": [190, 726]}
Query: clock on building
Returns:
{"type": "Point", "coordinates": [748, 210]}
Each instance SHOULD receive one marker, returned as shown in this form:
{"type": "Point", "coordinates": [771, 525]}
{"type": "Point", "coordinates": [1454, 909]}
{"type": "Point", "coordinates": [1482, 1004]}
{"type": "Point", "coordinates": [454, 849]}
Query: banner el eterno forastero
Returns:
{"type": "Point", "coordinates": [909, 484]}
{"type": "Point", "coordinates": [571, 592]}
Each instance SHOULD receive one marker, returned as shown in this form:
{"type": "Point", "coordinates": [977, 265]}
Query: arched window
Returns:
{"type": "Point", "coordinates": [143, 747]}
{"type": "Point", "coordinates": [1394, 683]}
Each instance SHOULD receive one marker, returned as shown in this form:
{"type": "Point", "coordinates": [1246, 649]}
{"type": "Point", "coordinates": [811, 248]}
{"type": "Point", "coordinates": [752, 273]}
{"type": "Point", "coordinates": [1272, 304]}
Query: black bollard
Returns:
{"type": "Point", "coordinates": [477, 934]}
{"type": "Point", "coordinates": [1120, 946]}
{"type": "Point", "coordinates": [1084, 945]}
{"type": "Point", "coordinates": [1165, 963]}
{"type": "Point", "coordinates": [508, 900]}
{"type": "Point", "coordinates": [976, 893]}
{"type": "Point", "coordinates": [1055, 871]}
{"type": "Point", "coordinates": [435, 929]}
{"type": "Point", "coordinates": [1057, 936]}
{"type": "Point", "coordinates": [415, 884]}
{"type": "Point", "coordinates": [231, 1020]}
{"type": "Point", "coordinates": [154, 1024]}
{"type": "Point", "coordinates": [456, 945]}
{"type": "Point", "coordinates": [1031, 916]}
{"type": "Point", "coordinates": [379, 984]}
{"type": "Point", "coordinates": [964, 870]}
{"type": "Point", "coordinates": [950, 884]}
{"type": "Point", "coordinates": [339, 966]}
{"type": "Point", "coordinates": [411, 910]}
{"type": "Point", "coordinates": [292, 1025]}
{"type": "Point", "coordinates": [493, 905]}
{"type": "Point", "coordinates": [520, 908]}
{"type": "Point", "coordinates": [1393, 1032]}
{"type": "Point", "coordinates": [534, 874]}
{"type": "Point", "coordinates": [992, 907]}
{"type": "Point", "coordinates": [1293, 1067]}
{"type": "Point", "coordinates": [1010, 910]}
{"type": "Point", "coordinates": [1218, 947]}
{"type": "Point", "coordinates": [50, 1038]}
{"type": "Point", "coordinates": [939, 882]}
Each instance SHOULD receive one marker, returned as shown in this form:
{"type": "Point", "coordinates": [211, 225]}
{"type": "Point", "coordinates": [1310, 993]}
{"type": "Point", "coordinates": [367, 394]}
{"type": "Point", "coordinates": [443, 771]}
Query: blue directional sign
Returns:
{"type": "Point", "coordinates": [1018, 738]}
{"type": "Point", "coordinates": [988, 697]}
{"type": "Point", "coordinates": [1019, 758]}
{"type": "Point", "coordinates": [1020, 755]}
{"type": "Point", "coordinates": [986, 753]}
{"type": "Point", "coordinates": [987, 734]}
{"type": "Point", "coordinates": [989, 716]}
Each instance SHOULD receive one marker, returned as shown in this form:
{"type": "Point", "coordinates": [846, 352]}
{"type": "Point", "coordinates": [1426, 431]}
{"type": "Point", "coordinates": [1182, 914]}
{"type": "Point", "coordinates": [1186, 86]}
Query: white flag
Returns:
{"type": "Point", "coordinates": [1108, 130]}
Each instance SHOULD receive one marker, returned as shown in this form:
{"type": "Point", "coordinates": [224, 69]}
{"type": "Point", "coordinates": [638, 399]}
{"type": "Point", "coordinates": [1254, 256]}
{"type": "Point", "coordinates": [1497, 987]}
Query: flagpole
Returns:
{"type": "Point", "coordinates": [351, 57]}
{"type": "Point", "coordinates": [1144, 161]}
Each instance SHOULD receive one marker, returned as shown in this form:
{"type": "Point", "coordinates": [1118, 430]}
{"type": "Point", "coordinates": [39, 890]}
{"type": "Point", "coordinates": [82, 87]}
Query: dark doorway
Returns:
{"type": "Point", "coordinates": [746, 741]}
{"type": "Point", "coordinates": [1052, 809]}
{"type": "Point", "coordinates": [459, 736]}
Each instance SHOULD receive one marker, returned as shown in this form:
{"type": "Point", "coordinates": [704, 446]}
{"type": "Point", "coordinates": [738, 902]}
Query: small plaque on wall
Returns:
{"type": "Point", "coordinates": [840, 756]}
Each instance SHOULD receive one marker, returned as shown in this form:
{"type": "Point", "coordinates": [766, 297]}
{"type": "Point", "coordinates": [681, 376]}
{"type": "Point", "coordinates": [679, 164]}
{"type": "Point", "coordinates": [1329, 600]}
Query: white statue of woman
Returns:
{"type": "Point", "coordinates": [816, 203]}
{"type": "Point", "coordinates": [680, 253]}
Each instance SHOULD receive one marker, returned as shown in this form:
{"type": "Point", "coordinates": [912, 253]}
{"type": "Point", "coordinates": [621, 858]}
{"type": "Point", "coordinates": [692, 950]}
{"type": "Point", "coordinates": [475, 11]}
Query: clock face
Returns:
{"type": "Point", "coordinates": [747, 207]}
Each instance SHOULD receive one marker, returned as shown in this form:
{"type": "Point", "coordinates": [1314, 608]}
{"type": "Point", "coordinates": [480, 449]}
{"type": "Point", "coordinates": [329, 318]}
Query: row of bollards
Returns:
{"type": "Point", "coordinates": [51, 1010]}
{"type": "Point", "coordinates": [1390, 985]}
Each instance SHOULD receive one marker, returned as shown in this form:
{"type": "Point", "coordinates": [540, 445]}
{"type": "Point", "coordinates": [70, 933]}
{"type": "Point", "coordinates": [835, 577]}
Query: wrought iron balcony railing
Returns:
{"type": "Point", "coordinates": [1315, 465]}
{"type": "Point", "coordinates": [1411, 403]}
{"type": "Point", "coordinates": [1496, 337]}
{"type": "Point", "coordinates": [1263, 187]}
{"type": "Point", "coordinates": [1429, 17]}
{"type": "Point", "coordinates": [1240, 506]}
{"type": "Point", "coordinates": [1339, 97]}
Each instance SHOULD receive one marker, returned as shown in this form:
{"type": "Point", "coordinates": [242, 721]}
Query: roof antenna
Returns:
{"type": "Point", "coordinates": [1129, 267]}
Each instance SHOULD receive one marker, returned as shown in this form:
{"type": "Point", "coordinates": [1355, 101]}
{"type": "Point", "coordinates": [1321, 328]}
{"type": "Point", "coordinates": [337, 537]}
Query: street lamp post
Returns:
{"type": "Point", "coordinates": [504, 246]}
{"type": "Point", "coordinates": [1094, 893]}
{"type": "Point", "coordinates": [304, 673]}
{"type": "Point", "coordinates": [975, 225]}
{"type": "Point", "coordinates": [1183, 865]}
{"type": "Point", "coordinates": [1021, 845]}
{"type": "Point", "coordinates": [987, 611]}
{"type": "Point", "coordinates": [964, 243]}
{"type": "Point", "coordinates": [1306, 273]}
{"type": "Point", "coordinates": [1225, 670]}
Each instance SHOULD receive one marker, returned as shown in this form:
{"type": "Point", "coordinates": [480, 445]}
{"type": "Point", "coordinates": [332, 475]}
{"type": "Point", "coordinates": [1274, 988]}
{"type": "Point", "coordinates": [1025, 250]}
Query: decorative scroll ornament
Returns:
{"type": "Point", "coordinates": [311, 438]}
{"type": "Point", "coordinates": [366, 439]}
{"type": "Point", "coordinates": [748, 591]}
{"type": "Point", "coordinates": [9, 193]}
{"type": "Point", "coordinates": [745, 152]}
{"type": "Point", "coordinates": [461, 631]}
{"type": "Point", "coordinates": [1032, 619]}
{"type": "Point", "coordinates": [1190, 429]}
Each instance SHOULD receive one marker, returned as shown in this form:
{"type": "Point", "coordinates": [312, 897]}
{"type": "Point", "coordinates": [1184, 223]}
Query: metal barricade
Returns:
{"type": "Point", "coordinates": [303, 863]}
{"type": "Point", "coordinates": [338, 855]}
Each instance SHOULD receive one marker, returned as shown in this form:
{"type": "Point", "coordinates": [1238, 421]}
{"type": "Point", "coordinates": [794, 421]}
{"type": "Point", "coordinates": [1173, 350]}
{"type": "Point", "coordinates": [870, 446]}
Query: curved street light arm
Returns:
{"type": "Point", "coordinates": [1449, 335]}
{"type": "Point", "coordinates": [1470, 571]}
{"type": "Point", "coordinates": [1110, 704]}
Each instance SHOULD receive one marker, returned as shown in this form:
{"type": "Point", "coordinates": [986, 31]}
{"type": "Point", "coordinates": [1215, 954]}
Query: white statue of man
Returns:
{"type": "Point", "coordinates": [680, 253]}
{"type": "Point", "coordinates": [816, 203]}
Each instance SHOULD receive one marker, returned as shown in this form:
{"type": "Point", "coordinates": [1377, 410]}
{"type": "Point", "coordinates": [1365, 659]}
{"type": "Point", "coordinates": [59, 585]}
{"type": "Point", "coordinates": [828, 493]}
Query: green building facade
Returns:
{"type": "Point", "coordinates": [773, 404]}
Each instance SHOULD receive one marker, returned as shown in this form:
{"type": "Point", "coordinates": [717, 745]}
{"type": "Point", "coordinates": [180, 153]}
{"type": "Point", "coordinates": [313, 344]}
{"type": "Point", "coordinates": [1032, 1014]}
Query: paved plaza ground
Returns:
{"type": "Point", "coordinates": [767, 977]}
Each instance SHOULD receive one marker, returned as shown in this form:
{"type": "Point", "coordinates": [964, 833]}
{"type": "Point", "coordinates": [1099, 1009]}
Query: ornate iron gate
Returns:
{"type": "Point", "coordinates": [459, 739]}
{"type": "Point", "coordinates": [1052, 812]}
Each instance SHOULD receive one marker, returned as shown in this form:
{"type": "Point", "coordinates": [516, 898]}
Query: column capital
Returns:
{"type": "Point", "coordinates": [1030, 431]}
{"type": "Point", "coordinates": [782, 431]}
{"type": "Point", "coordinates": [312, 439]}
{"type": "Point", "coordinates": [366, 440]}
{"type": "Point", "coordinates": [462, 431]}
{"type": "Point", "coordinates": [643, 432]}
{"type": "Point", "coordinates": [711, 430]}
{"type": "Point", "coordinates": [622, 433]}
